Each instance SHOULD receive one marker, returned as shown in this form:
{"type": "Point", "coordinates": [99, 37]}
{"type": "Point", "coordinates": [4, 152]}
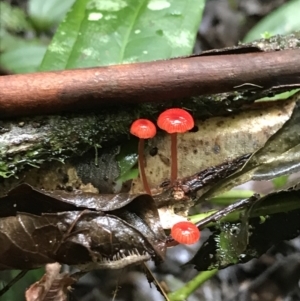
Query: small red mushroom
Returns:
{"type": "Point", "coordinates": [143, 129]}
{"type": "Point", "coordinates": [175, 121]}
{"type": "Point", "coordinates": [185, 233]}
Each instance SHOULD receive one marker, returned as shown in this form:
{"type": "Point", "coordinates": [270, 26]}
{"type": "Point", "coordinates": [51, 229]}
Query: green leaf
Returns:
{"type": "Point", "coordinates": [237, 242]}
{"type": "Point", "coordinates": [19, 55]}
{"type": "Point", "coordinates": [231, 196]}
{"type": "Point", "coordinates": [23, 59]}
{"type": "Point", "coordinates": [279, 182]}
{"type": "Point", "coordinates": [283, 21]}
{"type": "Point", "coordinates": [13, 18]}
{"type": "Point", "coordinates": [104, 32]}
{"type": "Point", "coordinates": [283, 95]}
{"type": "Point", "coordinates": [127, 158]}
{"type": "Point", "coordinates": [45, 14]}
{"type": "Point", "coordinates": [17, 291]}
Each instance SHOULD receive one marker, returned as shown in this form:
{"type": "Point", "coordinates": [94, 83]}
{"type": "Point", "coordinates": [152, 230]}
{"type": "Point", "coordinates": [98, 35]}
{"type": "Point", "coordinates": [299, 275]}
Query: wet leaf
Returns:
{"type": "Point", "coordinates": [127, 159]}
{"type": "Point", "coordinates": [87, 230]}
{"type": "Point", "coordinates": [233, 239]}
{"type": "Point", "coordinates": [233, 137]}
{"type": "Point", "coordinates": [97, 32]}
{"type": "Point", "coordinates": [279, 156]}
{"type": "Point", "coordinates": [273, 218]}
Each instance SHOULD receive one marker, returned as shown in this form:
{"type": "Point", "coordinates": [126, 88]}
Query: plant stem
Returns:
{"type": "Point", "coordinates": [270, 204]}
{"type": "Point", "coordinates": [184, 292]}
{"type": "Point", "coordinates": [142, 166]}
{"type": "Point", "coordinates": [174, 167]}
{"type": "Point", "coordinates": [231, 196]}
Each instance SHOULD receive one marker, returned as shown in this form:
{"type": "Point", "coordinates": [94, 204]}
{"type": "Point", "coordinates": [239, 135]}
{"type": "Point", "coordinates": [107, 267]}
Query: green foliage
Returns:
{"type": "Point", "coordinates": [17, 291]}
{"type": "Point", "coordinates": [104, 32]}
{"type": "Point", "coordinates": [127, 160]}
{"type": "Point", "coordinates": [184, 292]}
{"type": "Point", "coordinates": [13, 18]}
{"type": "Point", "coordinates": [283, 20]}
{"type": "Point", "coordinates": [97, 32]}
{"type": "Point", "coordinates": [23, 59]}
{"type": "Point", "coordinates": [46, 14]}
{"type": "Point", "coordinates": [279, 182]}
{"type": "Point", "coordinates": [18, 54]}
{"type": "Point", "coordinates": [25, 35]}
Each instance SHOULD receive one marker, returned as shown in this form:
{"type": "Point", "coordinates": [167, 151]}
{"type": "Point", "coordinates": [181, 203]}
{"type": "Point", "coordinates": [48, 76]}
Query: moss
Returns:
{"type": "Point", "coordinates": [49, 138]}
{"type": "Point", "coordinates": [32, 141]}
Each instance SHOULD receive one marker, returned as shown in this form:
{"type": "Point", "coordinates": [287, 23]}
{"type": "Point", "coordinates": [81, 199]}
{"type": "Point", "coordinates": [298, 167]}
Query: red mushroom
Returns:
{"type": "Point", "coordinates": [175, 121]}
{"type": "Point", "coordinates": [143, 129]}
{"type": "Point", "coordinates": [185, 233]}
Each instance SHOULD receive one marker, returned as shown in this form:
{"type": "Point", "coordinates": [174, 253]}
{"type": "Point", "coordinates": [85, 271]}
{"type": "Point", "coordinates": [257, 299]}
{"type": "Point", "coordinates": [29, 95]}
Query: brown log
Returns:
{"type": "Point", "coordinates": [91, 88]}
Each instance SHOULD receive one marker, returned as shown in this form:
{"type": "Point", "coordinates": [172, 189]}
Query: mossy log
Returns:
{"type": "Point", "coordinates": [30, 141]}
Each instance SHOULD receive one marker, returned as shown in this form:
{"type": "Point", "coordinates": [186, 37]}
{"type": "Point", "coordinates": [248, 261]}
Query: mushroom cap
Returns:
{"type": "Point", "coordinates": [175, 120]}
{"type": "Point", "coordinates": [143, 129]}
{"type": "Point", "coordinates": [185, 233]}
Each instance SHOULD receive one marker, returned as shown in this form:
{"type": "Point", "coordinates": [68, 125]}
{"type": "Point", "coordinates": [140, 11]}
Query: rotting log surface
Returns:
{"type": "Point", "coordinates": [32, 141]}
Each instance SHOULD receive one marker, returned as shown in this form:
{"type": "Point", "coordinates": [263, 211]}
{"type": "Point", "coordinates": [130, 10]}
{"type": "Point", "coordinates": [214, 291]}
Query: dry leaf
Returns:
{"type": "Point", "coordinates": [53, 286]}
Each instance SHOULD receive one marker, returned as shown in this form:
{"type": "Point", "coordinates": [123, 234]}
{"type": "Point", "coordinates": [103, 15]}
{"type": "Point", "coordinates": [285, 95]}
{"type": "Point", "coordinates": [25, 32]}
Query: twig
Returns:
{"type": "Point", "coordinates": [231, 208]}
{"type": "Point", "coordinates": [159, 81]}
{"type": "Point", "coordinates": [12, 282]}
{"type": "Point", "coordinates": [151, 278]}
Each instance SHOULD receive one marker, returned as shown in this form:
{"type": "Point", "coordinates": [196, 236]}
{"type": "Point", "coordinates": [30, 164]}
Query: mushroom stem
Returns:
{"type": "Point", "coordinates": [175, 121]}
{"type": "Point", "coordinates": [173, 157]}
{"type": "Point", "coordinates": [142, 165]}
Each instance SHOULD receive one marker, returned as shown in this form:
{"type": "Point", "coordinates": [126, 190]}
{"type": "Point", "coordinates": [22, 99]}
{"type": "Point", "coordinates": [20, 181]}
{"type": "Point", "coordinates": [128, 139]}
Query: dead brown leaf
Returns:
{"type": "Point", "coordinates": [53, 286]}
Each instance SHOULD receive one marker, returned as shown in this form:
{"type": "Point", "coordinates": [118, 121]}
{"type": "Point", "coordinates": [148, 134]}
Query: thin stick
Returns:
{"type": "Point", "coordinates": [159, 81]}
{"type": "Point", "coordinates": [231, 208]}
{"type": "Point", "coordinates": [12, 282]}
{"type": "Point", "coordinates": [151, 278]}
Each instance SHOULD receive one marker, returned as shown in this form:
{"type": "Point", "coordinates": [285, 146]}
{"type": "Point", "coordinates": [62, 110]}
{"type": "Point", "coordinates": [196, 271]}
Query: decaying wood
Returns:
{"type": "Point", "coordinates": [217, 140]}
{"type": "Point", "coordinates": [53, 138]}
{"type": "Point", "coordinates": [33, 140]}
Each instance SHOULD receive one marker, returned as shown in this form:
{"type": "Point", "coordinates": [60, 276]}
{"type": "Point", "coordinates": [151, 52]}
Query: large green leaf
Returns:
{"type": "Point", "coordinates": [104, 32]}
{"type": "Point", "coordinates": [45, 14]}
{"type": "Point", "coordinates": [283, 21]}
{"type": "Point", "coordinates": [24, 58]}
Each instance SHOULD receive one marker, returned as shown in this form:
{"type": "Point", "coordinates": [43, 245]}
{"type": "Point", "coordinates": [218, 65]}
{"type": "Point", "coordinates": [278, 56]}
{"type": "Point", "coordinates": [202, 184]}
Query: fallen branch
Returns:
{"type": "Point", "coordinates": [90, 89]}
